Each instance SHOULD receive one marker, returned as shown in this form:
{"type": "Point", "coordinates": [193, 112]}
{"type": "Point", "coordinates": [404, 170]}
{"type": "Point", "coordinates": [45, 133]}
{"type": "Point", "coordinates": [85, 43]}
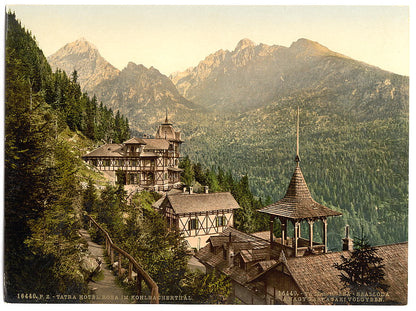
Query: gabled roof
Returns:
{"type": "Point", "coordinates": [135, 140]}
{"type": "Point", "coordinates": [201, 202]}
{"type": "Point", "coordinates": [297, 202]}
{"type": "Point", "coordinates": [318, 279]}
{"type": "Point", "coordinates": [107, 150]}
{"type": "Point", "coordinates": [156, 143]}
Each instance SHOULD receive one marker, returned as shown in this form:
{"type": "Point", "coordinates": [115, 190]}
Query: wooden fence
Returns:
{"type": "Point", "coordinates": [113, 250]}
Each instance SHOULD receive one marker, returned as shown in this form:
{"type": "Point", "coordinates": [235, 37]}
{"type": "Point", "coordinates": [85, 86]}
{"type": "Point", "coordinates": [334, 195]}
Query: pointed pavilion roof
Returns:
{"type": "Point", "coordinates": [298, 202]}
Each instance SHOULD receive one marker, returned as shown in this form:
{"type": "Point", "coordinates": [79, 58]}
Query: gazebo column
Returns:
{"type": "Point", "coordinates": [310, 222]}
{"type": "Point", "coordinates": [296, 236]}
{"type": "Point", "coordinates": [271, 226]}
{"type": "Point", "coordinates": [283, 226]}
{"type": "Point", "coordinates": [325, 234]}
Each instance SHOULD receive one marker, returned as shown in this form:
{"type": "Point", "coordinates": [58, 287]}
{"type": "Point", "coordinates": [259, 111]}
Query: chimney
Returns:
{"type": "Point", "coordinates": [347, 242]}
{"type": "Point", "coordinates": [230, 252]}
{"type": "Point", "coordinates": [191, 190]}
{"type": "Point", "coordinates": [206, 189]}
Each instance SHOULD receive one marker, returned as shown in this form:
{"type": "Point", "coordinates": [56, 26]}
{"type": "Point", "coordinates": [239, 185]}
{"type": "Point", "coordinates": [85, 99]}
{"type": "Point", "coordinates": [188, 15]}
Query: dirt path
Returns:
{"type": "Point", "coordinates": [106, 289]}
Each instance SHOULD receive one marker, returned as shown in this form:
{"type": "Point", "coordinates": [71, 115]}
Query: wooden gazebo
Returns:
{"type": "Point", "coordinates": [296, 206]}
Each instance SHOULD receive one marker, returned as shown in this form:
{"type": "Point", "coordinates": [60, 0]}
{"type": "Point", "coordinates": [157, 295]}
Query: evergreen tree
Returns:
{"type": "Point", "coordinates": [363, 272]}
{"type": "Point", "coordinates": [89, 199]}
{"type": "Point", "coordinates": [212, 288]}
{"type": "Point", "coordinates": [187, 175]}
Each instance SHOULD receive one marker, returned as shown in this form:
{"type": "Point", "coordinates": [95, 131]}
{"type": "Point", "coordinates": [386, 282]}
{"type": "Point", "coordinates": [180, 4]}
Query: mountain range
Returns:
{"type": "Point", "coordinates": [249, 77]}
{"type": "Point", "coordinates": [237, 111]}
{"type": "Point", "coordinates": [141, 93]}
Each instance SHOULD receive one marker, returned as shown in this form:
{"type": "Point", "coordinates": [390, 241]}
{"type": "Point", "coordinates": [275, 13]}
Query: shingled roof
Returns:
{"type": "Point", "coordinates": [202, 202]}
{"type": "Point", "coordinates": [135, 140]}
{"type": "Point", "coordinates": [317, 276]}
{"type": "Point", "coordinates": [248, 246]}
{"type": "Point", "coordinates": [297, 202]}
{"type": "Point", "coordinates": [156, 143]}
{"type": "Point", "coordinates": [107, 150]}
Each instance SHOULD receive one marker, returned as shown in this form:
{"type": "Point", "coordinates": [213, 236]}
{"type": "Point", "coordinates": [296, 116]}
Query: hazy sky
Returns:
{"type": "Point", "coordinates": [172, 38]}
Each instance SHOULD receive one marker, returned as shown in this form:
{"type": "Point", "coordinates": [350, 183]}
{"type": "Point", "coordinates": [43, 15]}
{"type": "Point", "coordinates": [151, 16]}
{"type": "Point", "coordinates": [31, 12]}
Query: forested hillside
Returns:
{"type": "Point", "coordinates": [359, 167]}
{"type": "Point", "coordinates": [47, 126]}
{"type": "Point", "coordinates": [354, 129]}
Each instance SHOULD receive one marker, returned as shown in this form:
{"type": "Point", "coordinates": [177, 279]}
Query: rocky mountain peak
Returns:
{"type": "Point", "coordinates": [83, 56]}
{"type": "Point", "coordinates": [244, 43]}
{"type": "Point", "coordinates": [78, 47]}
{"type": "Point", "coordinates": [305, 47]}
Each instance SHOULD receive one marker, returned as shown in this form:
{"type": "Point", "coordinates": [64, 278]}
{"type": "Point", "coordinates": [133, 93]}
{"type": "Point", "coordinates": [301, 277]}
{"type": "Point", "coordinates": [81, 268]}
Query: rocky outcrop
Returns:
{"type": "Point", "coordinates": [253, 75]}
{"type": "Point", "coordinates": [142, 94]}
{"type": "Point", "coordinates": [82, 56]}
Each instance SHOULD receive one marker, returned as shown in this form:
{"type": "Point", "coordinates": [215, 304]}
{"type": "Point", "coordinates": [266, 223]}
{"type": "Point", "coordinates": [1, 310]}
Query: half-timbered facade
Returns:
{"type": "Point", "coordinates": [151, 163]}
{"type": "Point", "coordinates": [199, 215]}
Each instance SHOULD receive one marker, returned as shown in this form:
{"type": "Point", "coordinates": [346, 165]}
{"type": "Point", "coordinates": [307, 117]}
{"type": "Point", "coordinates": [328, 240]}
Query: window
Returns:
{"type": "Point", "coordinates": [220, 221]}
{"type": "Point", "coordinates": [193, 224]}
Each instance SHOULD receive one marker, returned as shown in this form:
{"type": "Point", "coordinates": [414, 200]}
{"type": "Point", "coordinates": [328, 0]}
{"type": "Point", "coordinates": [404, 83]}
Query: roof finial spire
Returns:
{"type": "Point", "coordinates": [166, 119]}
{"type": "Point", "coordinates": [297, 159]}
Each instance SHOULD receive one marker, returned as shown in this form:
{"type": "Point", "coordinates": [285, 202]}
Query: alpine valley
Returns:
{"type": "Point", "coordinates": [237, 111]}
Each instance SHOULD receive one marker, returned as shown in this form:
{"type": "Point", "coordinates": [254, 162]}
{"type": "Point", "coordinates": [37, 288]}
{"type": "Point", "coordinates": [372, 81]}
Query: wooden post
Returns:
{"type": "Point", "coordinates": [283, 223]}
{"type": "Point", "coordinates": [119, 264]}
{"type": "Point", "coordinates": [296, 231]}
{"type": "Point", "coordinates": [271, 225]}
{"type": "Point", "coordinates": [139, 283]}
{"type": "Point", "coordinates": [325, 234]}
{"type": "Point", "coordinates": [310, 222]}
{"type": "Point", "coordinates": [129, 275]}
{"type": "Point", "coordinates": [111, 255]}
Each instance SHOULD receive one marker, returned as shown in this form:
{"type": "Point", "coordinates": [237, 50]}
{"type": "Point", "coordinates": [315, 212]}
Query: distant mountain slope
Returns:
{"type": "Point", "coordinates": [143, 94]}
{"type": "Point", "coordinates": [85, 58]}
{"type": "Point", "coordinates": [252, 75]}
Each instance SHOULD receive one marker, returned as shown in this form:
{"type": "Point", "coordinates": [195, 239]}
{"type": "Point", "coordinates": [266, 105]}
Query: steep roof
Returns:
{"type": "Point", "coordinates": [166, 131]}
{"type": "Point", "coordinates": [316, 275]}
{"type": "Point", "coordinates": [202, 202]}
{"type": "Point", "coordinates": [319, 280]}
{"type": "Point", "coordinates": [297, 202]}
{"type": "Point", "coordinates": [107, 150]}
{"type": "Point", "coordinates": [245, 245]}
{"type": "Point", "coordinates": [135, 140]}
{"type": "Point", "coordinates": [156, 143]}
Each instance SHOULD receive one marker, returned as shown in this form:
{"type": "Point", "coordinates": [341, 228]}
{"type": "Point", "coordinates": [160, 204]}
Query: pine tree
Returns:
{"type": "Point", "coordinates": [188, 172]}
{"type": "Point", "coordinates": [364, 270]}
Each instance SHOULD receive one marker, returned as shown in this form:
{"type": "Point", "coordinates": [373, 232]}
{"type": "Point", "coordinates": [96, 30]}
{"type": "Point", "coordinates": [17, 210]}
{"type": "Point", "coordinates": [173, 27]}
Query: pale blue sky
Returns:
{"type": "Point", "coordinates": [172, 38]}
